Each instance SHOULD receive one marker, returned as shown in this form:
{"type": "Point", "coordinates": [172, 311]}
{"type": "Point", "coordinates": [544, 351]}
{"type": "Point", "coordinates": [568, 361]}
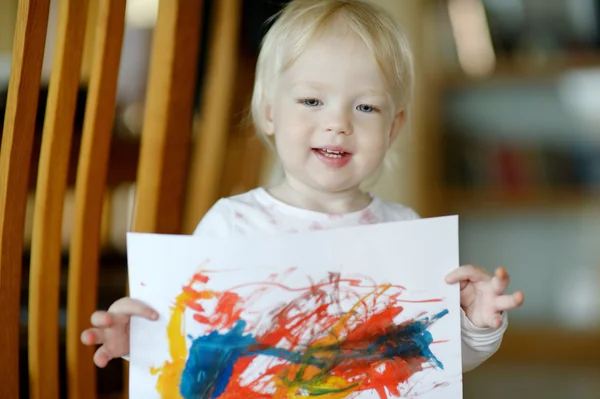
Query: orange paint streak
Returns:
{"type": "Point", "coordinates": [352, 282]}
{"type": "Point", "coordinates": [306, 325]}
{"type": "Point", "coordinates": [169, 374]}
{"type": "Point", "coordinates": [377, 324]}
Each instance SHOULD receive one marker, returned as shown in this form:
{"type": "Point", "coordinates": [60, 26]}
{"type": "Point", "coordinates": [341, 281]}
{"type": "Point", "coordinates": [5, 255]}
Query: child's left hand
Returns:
{"type": "Point", "coordinates": [482, 295]}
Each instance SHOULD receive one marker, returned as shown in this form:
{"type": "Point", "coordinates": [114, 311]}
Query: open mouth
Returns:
{"type": "Point", "coordinates": [331, 153]}
{"type": "Point", "coordinates": [333, 157]}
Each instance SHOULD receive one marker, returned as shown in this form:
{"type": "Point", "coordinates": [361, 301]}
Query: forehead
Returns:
{"type": "Point", "coordinates": [336, 58]}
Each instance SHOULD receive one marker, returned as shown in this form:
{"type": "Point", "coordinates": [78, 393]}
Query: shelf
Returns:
{"type": "Point", "coordinates": [465, 199]}
{"type": "Point", "coordinates": [549, 346]}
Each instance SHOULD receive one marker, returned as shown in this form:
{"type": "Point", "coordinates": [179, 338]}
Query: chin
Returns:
{"type": "Point", "coordinates": [336, 186]}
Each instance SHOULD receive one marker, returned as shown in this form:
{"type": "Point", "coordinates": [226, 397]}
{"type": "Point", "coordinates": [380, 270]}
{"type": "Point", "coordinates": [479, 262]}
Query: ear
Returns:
{"type": "Point", "coordinates": [268, 123]}
{"type": "Point", "coordinates": [397, 124]}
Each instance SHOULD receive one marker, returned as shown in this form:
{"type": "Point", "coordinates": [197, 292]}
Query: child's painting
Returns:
{"type": "Point", "coordinates": [362, 312]}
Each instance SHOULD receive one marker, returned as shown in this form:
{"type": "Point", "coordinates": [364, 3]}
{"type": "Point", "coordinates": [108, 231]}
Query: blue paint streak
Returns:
{"type": "Point", "coordinates": [409, 341]}
{"type": "Point", "coordinates": [212, 357]}
{"type": "Point", "coordinates": [211, 360]}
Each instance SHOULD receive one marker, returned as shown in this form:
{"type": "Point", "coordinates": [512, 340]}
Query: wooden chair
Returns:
{"type": "Point", "coordinates": [161, 183]}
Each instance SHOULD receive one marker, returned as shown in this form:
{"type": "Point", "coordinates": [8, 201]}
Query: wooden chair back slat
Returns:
{"type": "Point", "coordinates": [167, 126]}
{"type": "Point", "coordinates": [15, 159]}
{"type": "Point", "coordinates": [245, 150]}
{"type": "Point", "coordinates": [163, 163]}
{"type": "Point", "coordinates": [162, 169]}
{"type": "Point", "coordinates": [210, 147]}
{"type": "Point", "coordinates": [46, 248]}
{"type": "Point", "coordinates": [92, 168]}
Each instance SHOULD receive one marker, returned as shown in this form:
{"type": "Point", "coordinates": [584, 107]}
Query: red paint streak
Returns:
{"type": "Point", "coordinates": [377, 324]}
{"type": "Point", "coordinates": [201, 319]}
{"type": "Point", "coordinates": [352, 282]}
{"type": "Point", "coordinates": [384, 377]}
{"type": "Point", "coordinates": [229, 308]}
{"type": "Point", "coordinates": [194, 306]}
{"type": "Point", "coordinates": [420, 300]}
{"type": "Point", "coordinates": [227, 311]}
{"type": "Point", "coordinates": [198, 278]}
{"type": "Point", "coordinates": [291, 322]}
{"type": "Point", "coordinates": [314, 321]}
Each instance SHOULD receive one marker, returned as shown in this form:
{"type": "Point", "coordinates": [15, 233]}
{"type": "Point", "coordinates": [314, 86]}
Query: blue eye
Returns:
{"type": "Point", "coordinates": [310, 102]}
{"type": "Point", "coordinates": [366, 108]}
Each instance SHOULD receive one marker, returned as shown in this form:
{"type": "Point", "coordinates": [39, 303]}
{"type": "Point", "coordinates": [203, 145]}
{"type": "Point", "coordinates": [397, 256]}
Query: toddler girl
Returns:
{"type": "Point", "coordinates": [333, 89]}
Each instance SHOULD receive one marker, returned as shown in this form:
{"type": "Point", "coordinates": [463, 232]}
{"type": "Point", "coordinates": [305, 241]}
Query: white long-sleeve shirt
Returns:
{"type": "Point", "coordinates": [257, 211]}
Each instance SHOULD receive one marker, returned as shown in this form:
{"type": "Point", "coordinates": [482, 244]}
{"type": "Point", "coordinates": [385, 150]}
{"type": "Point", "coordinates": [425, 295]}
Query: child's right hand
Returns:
{"type": "Point", "coordinates": [111, 329]}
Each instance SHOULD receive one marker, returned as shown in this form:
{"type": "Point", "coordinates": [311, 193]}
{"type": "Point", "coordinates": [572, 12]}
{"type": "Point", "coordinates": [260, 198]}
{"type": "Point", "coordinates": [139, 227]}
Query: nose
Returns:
{"type": "Point", "coordinates": [338, 122]}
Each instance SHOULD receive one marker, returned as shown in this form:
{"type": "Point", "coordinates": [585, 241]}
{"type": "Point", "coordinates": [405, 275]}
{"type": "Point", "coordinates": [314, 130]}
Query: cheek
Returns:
{"type": "Point", "coordinates": [287, 117]}
{"type": "Point", "coordinates": [376, 135]}
{"type": "Point", "coordinates": [293, 125]}
{"type": "Point", "coordinates": [290, 133]}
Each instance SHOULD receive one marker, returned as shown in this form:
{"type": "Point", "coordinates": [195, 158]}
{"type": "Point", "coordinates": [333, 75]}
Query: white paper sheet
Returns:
{"type": "Point", "coordinates": [298, 314]}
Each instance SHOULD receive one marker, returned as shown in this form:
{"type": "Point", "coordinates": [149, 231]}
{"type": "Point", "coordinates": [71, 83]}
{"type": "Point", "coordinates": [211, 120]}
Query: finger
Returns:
{"type": "Point", "coordinates": [93, 336]}
{"type": "Point", "coordinates": [508, 302]}
{"type": "Point", "coordinates": [133, 307]}
{"type": "Point", "coordinates": [102, 357]}
{"type": "Point", "coordinates": [101, 319]}
{"type": "Point", "coordinates": [500, 281]}
{"type": "Point", "coordinates": [468, 272]}
{"type": "Point", "coordinates": [104, 319]}
{"type": "Point", "coordinates": [495, 320]}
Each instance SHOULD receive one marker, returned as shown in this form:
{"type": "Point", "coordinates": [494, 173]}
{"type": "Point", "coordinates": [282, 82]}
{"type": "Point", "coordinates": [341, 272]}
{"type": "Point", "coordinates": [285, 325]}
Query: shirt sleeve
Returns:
{"type": "Point", "coordinates": [412, 215]}
{"type": "Point", "coordinates": [478, 344]}
{"type": "Point", "coordinates": [217, 222]}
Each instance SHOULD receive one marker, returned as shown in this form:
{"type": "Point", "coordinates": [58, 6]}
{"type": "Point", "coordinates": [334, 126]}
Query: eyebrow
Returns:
{"type": "Point", "coordinates": [319, 85]}
{"type": "Point", "coordinates": [374, 93]}
{"type": "Point", "coordinates": [313, 85]}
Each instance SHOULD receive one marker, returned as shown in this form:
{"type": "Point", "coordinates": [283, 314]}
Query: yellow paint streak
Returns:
{"type": "Point", "coordinates": [338, 328]}
{"type": "Point", "coordinates": [339, 386]}
{"type": "Point", "coordinates": [288, 387]}
{"type": "Point", "coordinates": [169, 374]}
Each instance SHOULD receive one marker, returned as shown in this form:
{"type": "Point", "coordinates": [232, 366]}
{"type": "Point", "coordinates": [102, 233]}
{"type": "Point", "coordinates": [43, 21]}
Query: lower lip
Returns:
{"type": "Point", "coordinates": [333, 162]}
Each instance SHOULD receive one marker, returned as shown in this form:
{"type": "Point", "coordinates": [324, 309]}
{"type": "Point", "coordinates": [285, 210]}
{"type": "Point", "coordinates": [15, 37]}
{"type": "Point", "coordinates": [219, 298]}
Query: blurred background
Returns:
{"type": "Point", "coordinates": [505, 133]}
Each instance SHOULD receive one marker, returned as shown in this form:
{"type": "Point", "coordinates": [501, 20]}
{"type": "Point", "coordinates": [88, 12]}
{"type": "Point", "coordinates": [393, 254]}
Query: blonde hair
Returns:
{"type": "Point", "coordinates": [301, 20]}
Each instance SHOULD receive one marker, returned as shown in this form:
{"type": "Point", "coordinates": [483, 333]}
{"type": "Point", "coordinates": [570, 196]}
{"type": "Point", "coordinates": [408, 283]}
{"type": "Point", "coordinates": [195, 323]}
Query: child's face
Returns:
{"type": "Point", "coordinates": [332, 115]}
